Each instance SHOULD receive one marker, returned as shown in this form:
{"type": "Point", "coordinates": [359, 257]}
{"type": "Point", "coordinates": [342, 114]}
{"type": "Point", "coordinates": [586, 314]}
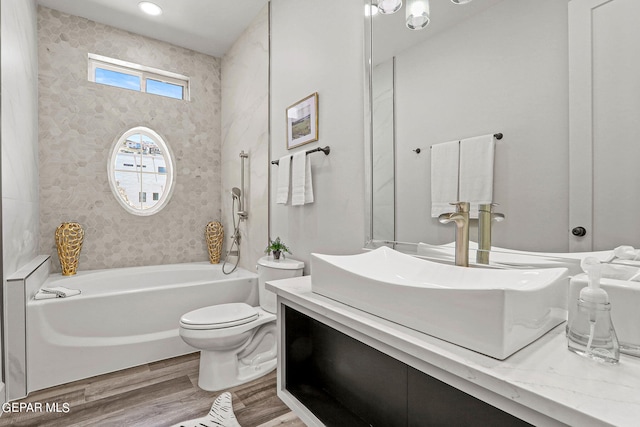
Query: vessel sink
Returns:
{"type": "Point", "coordinates": [494, 312]}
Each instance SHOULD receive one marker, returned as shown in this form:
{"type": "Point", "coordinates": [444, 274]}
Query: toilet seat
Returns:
{"type": "Point", "coordinates": [219, 316]}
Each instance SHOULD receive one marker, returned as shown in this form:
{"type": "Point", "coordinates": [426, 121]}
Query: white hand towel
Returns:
{"type": "Point", "coordinates": [56, 292]}
{"type": "Point", "coordinates": [301, 185]}
{"type": "Point", "coordinates": [284, 167]}
{"type": "Point", "coordinates": [44, 295]}
{"type": "Point", "coordinates": [444, 177]}
{"type": "Point", "coordinates": [476, 171]}
{"type": "Point", "coordinates": [308, 182]}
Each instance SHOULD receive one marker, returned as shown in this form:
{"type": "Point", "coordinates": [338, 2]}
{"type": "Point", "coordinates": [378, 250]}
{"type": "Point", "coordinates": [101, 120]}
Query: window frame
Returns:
{"type": "Point", "coordinates": [169, 164]}
{"type": "Point", "coordinates": [143, 72]}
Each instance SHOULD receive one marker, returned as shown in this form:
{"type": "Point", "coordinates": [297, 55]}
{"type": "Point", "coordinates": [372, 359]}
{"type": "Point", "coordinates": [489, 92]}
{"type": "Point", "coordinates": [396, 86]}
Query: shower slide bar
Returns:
{"type": "Point", "coordinates": [326, 150]}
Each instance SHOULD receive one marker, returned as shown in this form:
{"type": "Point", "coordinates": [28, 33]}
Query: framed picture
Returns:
{"type": "Point", "coordinates": [302, 122]}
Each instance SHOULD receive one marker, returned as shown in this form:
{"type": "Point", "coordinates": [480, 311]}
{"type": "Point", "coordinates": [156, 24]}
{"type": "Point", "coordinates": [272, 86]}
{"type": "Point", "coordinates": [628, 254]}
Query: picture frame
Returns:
{"type": "Point", "coordinates": [302, 121]}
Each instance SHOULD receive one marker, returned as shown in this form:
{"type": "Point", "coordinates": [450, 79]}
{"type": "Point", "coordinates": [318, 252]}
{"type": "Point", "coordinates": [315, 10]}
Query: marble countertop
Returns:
{"type": "Point", "coordinates": [544, 376]}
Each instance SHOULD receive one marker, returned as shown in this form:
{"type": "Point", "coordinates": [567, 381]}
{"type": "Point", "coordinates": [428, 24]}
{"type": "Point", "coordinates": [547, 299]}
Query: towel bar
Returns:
{"type": "Point", "coordinates": [497, 136]}
{"type": "Point", "coordinates": [326, 150]}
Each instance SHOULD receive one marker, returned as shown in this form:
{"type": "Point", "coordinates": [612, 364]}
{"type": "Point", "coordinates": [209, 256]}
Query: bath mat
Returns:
{"type": "Point", "coordinates": [220, 415]}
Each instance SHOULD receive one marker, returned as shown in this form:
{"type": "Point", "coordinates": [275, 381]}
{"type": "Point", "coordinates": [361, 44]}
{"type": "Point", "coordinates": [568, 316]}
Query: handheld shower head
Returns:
{"type": "Point", "coordinates": [236, 193]}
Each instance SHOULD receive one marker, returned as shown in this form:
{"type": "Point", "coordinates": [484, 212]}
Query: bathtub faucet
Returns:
{"type": "Point", "coordinates": [461, 219]}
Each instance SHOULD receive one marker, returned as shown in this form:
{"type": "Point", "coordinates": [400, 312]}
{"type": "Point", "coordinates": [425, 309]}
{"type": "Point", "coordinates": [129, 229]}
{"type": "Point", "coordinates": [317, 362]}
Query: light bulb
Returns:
{"type": "Point", "coordinates": [371, 9]}
{"type": "Point", "coordinates": [388, 7]}
{"type": "Point", "coordinates": [417, 14]}
{"type": "Point", "coordinates": [150, 8]}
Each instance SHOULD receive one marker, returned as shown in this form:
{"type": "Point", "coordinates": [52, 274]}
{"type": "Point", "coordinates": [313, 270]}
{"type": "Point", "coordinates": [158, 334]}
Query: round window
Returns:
{"type": "Point", "coordinates": [141, 171]}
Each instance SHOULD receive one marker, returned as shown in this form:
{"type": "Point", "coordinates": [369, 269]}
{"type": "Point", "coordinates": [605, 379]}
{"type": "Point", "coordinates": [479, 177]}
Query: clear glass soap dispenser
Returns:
{"type": "Point", "coordinates": [590, 332]}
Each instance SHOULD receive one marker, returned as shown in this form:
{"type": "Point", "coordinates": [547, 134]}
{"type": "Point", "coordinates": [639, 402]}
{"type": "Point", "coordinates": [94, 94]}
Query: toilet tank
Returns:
{"type": "Point", "coordinates": [271, 269]}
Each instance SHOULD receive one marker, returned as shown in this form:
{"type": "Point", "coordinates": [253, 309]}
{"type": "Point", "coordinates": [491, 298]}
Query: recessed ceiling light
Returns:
{"type": "Point", "coordinates": [150, 8]}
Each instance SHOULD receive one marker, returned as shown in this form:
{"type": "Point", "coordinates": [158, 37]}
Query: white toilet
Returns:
{"type": "Point", "coordinates": [237, 342]}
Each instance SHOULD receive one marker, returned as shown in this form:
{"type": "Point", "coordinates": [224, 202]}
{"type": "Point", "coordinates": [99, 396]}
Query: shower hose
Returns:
{"type": "Point", "coordinates": [235, 241]}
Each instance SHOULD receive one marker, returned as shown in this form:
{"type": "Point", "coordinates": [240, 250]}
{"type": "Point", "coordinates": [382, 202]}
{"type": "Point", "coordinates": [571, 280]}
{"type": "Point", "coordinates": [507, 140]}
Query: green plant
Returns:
{"type": "Point", "coordinates": [277, 247]}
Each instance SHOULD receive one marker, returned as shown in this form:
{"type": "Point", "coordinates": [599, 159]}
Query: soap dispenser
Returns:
{"type": "Point", "coordinates": [590, 332]}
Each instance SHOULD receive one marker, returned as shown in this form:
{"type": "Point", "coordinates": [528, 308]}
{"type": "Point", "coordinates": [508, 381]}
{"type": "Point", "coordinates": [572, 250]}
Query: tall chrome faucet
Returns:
{"type": "Point", "coordinates": [486, 216]}
{"type": "Point", "coordinates": [461, 218]}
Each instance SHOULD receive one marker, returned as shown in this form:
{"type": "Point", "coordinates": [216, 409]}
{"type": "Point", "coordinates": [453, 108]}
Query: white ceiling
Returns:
{"type": "Point", "coordinates": [207, 26]}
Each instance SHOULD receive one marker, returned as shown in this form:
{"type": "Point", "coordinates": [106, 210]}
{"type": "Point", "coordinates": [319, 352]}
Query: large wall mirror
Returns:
{"type": "Point", "coordinates": [558, 78]}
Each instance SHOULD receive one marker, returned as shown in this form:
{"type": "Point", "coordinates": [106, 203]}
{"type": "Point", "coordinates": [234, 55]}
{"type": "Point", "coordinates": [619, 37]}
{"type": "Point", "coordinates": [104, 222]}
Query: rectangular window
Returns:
{"type": "Point", "coordinates": [127, 75]}
{"type": "Point", "coordinates": [115, 78]}
{"type": "Point", "coordinates": [156, 196]}
{"type": "Point", "coordinates": [142, 196]}
{"type": "Point", "coordinates": [162, 169]}
{"type": "Point", "coordinates": [169, 90]}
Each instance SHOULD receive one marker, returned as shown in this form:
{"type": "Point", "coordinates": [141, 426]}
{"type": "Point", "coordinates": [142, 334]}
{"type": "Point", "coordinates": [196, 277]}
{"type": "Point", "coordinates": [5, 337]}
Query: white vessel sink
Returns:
{"type": "Point", "coordinates": [494, 312]}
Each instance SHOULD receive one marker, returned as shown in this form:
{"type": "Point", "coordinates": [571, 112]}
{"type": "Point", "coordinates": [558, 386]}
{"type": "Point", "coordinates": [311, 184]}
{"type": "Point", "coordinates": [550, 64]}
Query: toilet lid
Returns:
{"type": "Point", "coordinates": [220, 316]}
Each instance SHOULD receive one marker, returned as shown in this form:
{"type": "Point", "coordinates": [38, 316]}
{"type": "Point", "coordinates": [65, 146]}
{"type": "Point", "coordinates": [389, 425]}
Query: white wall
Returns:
{"type": "Point", "coordinates": [505, 70]}
{"type": "Point", "coordinates": [245, 126]}
{"type": "Point", "coordinates": [318, 47]}
{"type": "Point", "coordinates": [19, 123]}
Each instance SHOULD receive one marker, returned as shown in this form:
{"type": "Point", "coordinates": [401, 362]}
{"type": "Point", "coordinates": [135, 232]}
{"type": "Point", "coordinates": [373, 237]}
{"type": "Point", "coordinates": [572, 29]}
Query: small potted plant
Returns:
{"type": "Point", "coordinates": [276, 247]}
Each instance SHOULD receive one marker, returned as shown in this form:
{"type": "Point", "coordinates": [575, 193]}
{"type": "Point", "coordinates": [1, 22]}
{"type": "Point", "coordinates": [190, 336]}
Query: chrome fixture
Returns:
{"type": "Point", "coordinates": [237, 195]}
{"type": "Point", "coordinates": [387, 7]}
{"type": "Point", "coordinates": [371, 9]}
{"type": "Point", "coordinates": [242, 213]}
{"type": "Point", "coordinates": [461, 219]}
{"type": "Point", "coordinates": [486, 217]}
{"type": "Point", "coordinates": [417, 14]}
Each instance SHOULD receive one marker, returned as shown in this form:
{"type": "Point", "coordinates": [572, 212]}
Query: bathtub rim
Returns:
{"type": "Point", "coordinates": [57, 279]}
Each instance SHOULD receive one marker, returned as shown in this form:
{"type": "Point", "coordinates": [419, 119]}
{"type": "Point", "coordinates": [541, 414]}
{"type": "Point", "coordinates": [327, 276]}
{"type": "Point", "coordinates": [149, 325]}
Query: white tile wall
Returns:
{"type": "Point", "coordinates": [245, 126]}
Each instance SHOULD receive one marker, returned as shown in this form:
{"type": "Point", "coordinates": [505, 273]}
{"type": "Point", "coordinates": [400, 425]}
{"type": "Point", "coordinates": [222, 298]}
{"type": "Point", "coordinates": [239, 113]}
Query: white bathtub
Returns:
{"type": "Point", "coordinates": [123, 318]}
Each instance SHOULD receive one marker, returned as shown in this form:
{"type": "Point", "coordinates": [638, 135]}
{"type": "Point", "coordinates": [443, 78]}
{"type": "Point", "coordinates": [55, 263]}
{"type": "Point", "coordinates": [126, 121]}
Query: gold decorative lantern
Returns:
{"type": "Point", "coordinates": [69, 237]}
{"type": "Point", "coordinates": [214, 233]}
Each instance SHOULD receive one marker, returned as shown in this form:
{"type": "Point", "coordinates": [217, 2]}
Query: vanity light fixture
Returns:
{"type": "Point", "coordinates": [417, 14]}
{"type": "Point", "coordinates": [150, 8]}
{"type": "Point", "coordinates": [371, 8]}
{"type": "Point", "coordinates": [460, 1]}
{"type": "Point", "coordinates": [387, 7]}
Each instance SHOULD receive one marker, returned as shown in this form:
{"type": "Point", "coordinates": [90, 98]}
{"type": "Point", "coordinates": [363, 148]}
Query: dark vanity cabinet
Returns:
{"type": "Point", "coordinates": [345, 382]}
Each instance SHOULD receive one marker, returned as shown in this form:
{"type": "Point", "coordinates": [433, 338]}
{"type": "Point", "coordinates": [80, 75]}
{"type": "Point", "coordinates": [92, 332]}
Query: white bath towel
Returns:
{"type": "Point", "coordinates": [444, 177]}
{"type": "Point", "coordinates": [301, 184]}
{"type": "Point", "coordinates": [284, 169]}
{"type": "Point", "coordinates": [56, 292]}
{"type": "Point", "coordinates": [220, 415]}
{"type": "Point", "coordinates": [476, 171]}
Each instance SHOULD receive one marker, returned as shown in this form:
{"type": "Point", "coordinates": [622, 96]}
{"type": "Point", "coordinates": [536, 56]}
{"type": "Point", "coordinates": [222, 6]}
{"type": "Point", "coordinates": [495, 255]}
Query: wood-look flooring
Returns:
{"type": "Point", "coordinates": [154, 395]}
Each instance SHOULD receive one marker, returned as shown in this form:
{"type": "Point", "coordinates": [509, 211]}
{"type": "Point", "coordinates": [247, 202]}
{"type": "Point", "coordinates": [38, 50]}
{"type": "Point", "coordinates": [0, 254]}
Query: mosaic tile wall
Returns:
{"type": "Point", "coordinates": [78, 123]}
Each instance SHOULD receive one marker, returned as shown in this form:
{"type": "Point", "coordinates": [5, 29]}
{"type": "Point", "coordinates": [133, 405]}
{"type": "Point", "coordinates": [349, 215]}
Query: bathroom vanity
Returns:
{"type": "Point", "coordinates": [340, 366]}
